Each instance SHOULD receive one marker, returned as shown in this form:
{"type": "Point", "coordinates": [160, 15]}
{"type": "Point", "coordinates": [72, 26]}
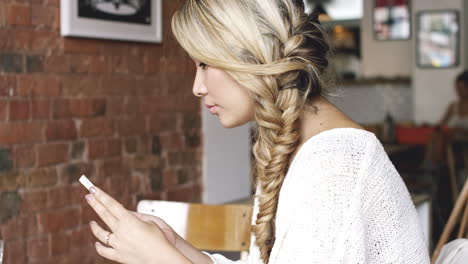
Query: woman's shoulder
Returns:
{"type": "Point", "coordinates": [340, 141]}
{"type": "Point", "coordinates": [337, 151]}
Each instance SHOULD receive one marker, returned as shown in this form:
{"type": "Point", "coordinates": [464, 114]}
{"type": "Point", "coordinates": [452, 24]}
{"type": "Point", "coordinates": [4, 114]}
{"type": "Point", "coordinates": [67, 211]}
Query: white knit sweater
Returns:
{"type": "Point", "coordinates": [342, 201]}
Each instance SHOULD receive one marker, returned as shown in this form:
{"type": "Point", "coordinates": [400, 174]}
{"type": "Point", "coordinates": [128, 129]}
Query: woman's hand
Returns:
{"type": "Point", "coordinates": [169, 233]}
{"type": "Point", "coordinates": [130, 239]}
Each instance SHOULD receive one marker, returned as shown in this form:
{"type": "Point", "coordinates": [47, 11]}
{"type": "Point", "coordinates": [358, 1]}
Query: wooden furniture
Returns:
{"type": "Point", "coordinates": [461, 207]}
{"type": "Point", "coordinates": [451, 163]}
{"type": "Point", "coordinates": [206, 227]}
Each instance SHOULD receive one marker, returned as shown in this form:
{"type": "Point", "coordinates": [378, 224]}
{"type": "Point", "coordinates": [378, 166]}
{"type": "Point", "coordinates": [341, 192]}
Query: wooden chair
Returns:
{"type": "Point", "coordinates": [451, 164]}
{"type": "Point", "coordinates": [461, 206]}
{"type": "Point", "coordinates": [206, 227]}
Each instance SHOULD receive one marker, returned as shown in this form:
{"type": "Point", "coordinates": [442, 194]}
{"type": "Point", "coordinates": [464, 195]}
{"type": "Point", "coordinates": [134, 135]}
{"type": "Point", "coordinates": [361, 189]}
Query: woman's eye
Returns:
{"type": "Point", "coordinates": [202, 65]}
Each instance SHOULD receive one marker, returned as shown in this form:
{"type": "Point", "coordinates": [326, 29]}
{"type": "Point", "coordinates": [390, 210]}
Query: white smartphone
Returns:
{"type": "Point", "coordinates": [86, 182]}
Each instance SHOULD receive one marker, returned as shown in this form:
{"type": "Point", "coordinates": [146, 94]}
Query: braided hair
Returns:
{"type": "Point", "coordinates": [280, 54]}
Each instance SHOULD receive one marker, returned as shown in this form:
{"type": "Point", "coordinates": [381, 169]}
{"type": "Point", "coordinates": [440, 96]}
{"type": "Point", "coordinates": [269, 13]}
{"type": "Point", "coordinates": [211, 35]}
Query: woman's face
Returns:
{"type": "Point", "coordinates": [234, 105]}
{"type": "Point", "coordinates": [462, 89]}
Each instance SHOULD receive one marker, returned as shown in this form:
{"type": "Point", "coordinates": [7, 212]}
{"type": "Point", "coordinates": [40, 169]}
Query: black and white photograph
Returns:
{"type": "Point", "coordinates": [128, 11]}
{"type": "Point", "coordinates": [127, 20]}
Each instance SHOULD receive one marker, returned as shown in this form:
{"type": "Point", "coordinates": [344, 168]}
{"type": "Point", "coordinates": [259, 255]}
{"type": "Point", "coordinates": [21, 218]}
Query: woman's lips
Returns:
{"type": "Point", "coordinates": [213, 109]}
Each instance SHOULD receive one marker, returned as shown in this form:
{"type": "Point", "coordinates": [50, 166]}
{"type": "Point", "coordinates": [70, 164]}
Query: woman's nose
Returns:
{"type": "Point", "coordinates": [199, 88]}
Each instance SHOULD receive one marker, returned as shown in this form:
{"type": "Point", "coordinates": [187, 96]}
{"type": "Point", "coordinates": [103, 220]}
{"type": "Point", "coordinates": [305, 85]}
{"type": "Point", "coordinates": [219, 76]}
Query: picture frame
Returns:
{"type": "Point", "coordinates": [438, 39]}
{"type": "Point", "coordinates": [135, 20]}
{"type": "Point", "coordinates": [391, 20]}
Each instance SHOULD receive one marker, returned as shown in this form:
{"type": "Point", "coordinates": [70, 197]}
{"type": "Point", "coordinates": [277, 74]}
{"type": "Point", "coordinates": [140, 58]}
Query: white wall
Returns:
{"type": "Point", "coordinates": [433, 89]}
{"type": "Point", "coordinates": [383, 58]}
{"type": "Point", "coordinates": [226, 161]}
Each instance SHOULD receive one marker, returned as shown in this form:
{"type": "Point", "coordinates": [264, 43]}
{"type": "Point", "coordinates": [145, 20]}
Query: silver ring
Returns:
{"type": "Point", "coordinates": [107, 238]}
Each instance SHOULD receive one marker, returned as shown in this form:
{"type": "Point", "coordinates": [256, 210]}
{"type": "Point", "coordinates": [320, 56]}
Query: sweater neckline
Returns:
{"type": "Point", "coordinates": [320, 135]}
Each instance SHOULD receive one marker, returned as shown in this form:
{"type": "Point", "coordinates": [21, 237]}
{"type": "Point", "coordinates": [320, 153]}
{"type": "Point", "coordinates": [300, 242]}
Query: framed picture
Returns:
{"type": "Point", "coordinates": [392, 19]}
{"type": "Point", "coordinates": [130, 20]}
{"type": "Point", "coordinates": [437, 44]}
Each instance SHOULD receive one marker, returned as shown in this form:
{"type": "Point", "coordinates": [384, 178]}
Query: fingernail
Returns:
{"type": "Point", "coordinates": [92, 223]}
{"type": "Point", "coordinates": [92, 189]}
{"type": "Point", "coordinates": [88, 197]}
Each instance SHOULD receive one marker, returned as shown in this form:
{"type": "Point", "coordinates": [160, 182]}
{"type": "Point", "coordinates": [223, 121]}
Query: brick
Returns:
{"type": "Point", "coordinates": [82, 85]}
{"type": "Point", "coordinates": [33, 201]}
{"type": "Point", "coordinates": [2, 14]}
{"type": "Point", "coordinates": [51, 154]}
{"type": "Point", "coordinates": [114, 168]}
{"type": "Point", "coordinates": [79, 45]}
{"type": "Point", "coordinates": [183, 176]}
{"type": "Point", "coordinates": [57, 64]}
{"type": "Point", "coordinates": [42, 16]}
{"type": "Point", "coordinates": [43, 177]}
{"type": "Point", "coordinates": [59, 220]}
{"type": "Point", "coordinates": [156, 179]}
{"type": "Point", "coordinates": [171, 141]}
{"type": "Point", "coordinates": [162, 122]}
{"type": "Point", "coordinates": [10, 204]}
{"type": "Point", "coordinates": [60, 243]}
{"type": "Point", "coordinates": [100, 148]}
{"type": "Point", "coordinates": [70, 173]}
{"type": "Point", "coordinates": [78, 149]}
{"type": "Point", "coordinates": [19, 15]}
{"type": "Point", "coordinates": [88, 214]}
{"type": "Point", "coordinates": [11, 180]}
{"type": "Point", "coordinates": [6, 161]}
{"type": "Point", "coordinates": [192, 138]}
{"type": "Point", "coordinates": [41, 109]}
{"type": "Point", "coordinates": [114, 106]}
{"type": "Point", "coordinates": [156, 104]}
{"type": "Point", "coordinates": [34, 63]}
{"type": "Point", "coordinates": [99, 126]}
{"type": "Point", "coordinates": [132, 126]}
{"type": "Point", "coordinates": [45, 40]}
{"type": "Point", "coordinates": [64, 108]}
{"type": "Point", "coordinates": [7, 37]}
{"type": "Point", "coordinates": [21, 39]}
{"type": "Point", "coordinates": [8, 85]}
{"type": "Point", "coordinates": [182, 194]}
{"type": "Point", "coordinates": [58, 197]}
{"type": "Point", "coordinates": [3, 110]}
{"type": "Point", "coordinates": [38, 247]}
{"type": "Point", "coordinates": [24, 156]}
{"type": "Point", "coordinates": [118, 85]}
{"type": "Point", "coordinates": [131, 145]}
{"type": "Point", "coordinates": [81, 236]}
{"type": "Point", "coordinates": [15, 252]}
{"type": "Point", "coordinates": [145, 161]}
{"type": "Point", "coordinates": [38, 86]}
{"type": "Point", "coordinates": [19, 110]}
{"type": "Point", "coordinates": [11, 62]}
{"type": "Point", "coordinates": [61, 130]}
{"type": "Point", "coordinates": [169, 178]}
{"type": "Point", "coordinates": [16, 133]}
{"type": "Point", "coordinates": [80, 63]}
{"type": "Point", "coordinates": [14, 230]}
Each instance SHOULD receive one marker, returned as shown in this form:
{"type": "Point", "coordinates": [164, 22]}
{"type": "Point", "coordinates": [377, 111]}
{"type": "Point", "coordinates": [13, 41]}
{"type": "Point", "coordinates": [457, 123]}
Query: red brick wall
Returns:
{"type": "Point", "coordinates": [120, 112]}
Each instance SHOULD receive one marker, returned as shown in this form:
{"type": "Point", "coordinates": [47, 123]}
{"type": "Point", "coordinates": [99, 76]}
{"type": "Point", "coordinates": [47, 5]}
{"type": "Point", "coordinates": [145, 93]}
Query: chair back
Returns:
{"type": "Point", "coordinates": [206, 227]}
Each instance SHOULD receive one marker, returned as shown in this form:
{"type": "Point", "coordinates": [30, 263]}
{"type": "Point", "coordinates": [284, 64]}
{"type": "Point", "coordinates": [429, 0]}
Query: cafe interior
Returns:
{"type": "Point", "coordinates": [103, 89]}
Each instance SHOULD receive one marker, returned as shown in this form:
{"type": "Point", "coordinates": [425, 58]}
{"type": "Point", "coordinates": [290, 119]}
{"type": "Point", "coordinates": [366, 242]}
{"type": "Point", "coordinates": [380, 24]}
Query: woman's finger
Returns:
{"type": "Point", "coordinates": [108, 202]}
{"type": "Point", "coordinates": [108, 253]}
{"type": "Point", "coordinates": [101, 234]}
{"type": "Point", "coordinates": [102, 212]}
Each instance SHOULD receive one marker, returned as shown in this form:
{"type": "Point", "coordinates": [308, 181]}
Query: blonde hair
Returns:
{"type": "Point", "coordinates": [279, 53]}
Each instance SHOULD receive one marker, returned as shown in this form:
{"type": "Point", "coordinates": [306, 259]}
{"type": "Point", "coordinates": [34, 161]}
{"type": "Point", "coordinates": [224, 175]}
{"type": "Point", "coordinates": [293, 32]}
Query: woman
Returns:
{"type": "Point", "coordinates": [326, 190]}
{"type": "Point", "coordinates": [452, 126]}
